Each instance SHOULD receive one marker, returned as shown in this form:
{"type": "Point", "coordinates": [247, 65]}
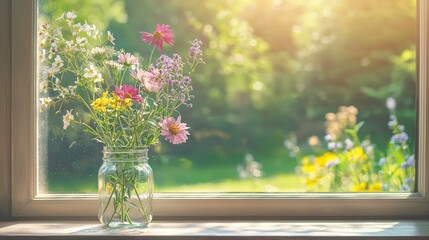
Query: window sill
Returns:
{"type": "Point", "coordinates": [383, 229]}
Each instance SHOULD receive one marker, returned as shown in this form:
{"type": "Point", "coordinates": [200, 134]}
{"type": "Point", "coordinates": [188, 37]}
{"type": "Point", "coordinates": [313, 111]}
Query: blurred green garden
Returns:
{"type": "Point", "coordinates": [273, 72]}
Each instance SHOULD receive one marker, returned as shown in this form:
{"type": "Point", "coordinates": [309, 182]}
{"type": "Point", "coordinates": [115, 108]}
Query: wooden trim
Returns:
{"type": "Point", "coordinates": [423, 103]}
{"type": "Point", "coordinates": [5, 73]}
{"type": "Point", "coordinates": [23, 104]}
{"type": "Point", "coordinates": [247, 206]}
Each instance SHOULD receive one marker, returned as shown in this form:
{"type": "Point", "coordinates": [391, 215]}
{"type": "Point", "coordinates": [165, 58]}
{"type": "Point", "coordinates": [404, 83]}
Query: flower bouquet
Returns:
{"type": "Point", "coordinates": [129, 101]}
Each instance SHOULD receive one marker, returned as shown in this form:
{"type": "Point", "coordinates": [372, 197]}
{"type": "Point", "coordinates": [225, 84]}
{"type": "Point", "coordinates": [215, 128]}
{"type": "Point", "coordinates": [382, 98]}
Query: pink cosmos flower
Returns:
{"type": "Point", "coordinates": [125, 92]}
{"type": "Point", "coordinates": [151, 79]}
{"type": "Point", "coordinates": [162, 34]}
{"type": "Point", "coordinates": [174, 130]}
{"type": "Point", "coordinates": [127, 59]}
{"type": "Point", "coordinates": [137, 75]}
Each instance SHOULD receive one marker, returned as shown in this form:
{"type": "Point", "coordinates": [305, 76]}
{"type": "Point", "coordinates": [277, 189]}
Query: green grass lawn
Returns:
{"type": "Point", "coordinates": [277, 183]}
{"type": "Point", "coordinates": [181, 175]}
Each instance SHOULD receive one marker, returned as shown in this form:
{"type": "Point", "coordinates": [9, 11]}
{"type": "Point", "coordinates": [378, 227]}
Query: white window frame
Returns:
{"type": "Point", "coordinates": [20, 150]}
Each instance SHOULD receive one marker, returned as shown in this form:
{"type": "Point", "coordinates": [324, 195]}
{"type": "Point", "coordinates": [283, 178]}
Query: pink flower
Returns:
{"type": "Point", "coordinates": [127, 59]}
{"type": "Point", "coordinates": [162, 34]}
{"type": "Point", "coordinates": [125, 92]}
{"type": "Point", "coordinates": [151, 79]}
{"type": "Point", "coordinates": [174, 130]}
{"type": "Point", "coordinates": [137, 75]}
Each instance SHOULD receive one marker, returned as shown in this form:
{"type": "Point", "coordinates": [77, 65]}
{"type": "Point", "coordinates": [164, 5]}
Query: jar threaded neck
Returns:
{"type": "Point", "coordinates": [125, 154]}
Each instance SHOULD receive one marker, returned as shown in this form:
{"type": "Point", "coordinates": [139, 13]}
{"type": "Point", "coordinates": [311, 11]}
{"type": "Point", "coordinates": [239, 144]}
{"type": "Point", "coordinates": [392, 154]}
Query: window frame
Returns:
{"type": "Point", "coordinates": [5, 133]}
{"type": "Point", "coordinates": [20, 150]}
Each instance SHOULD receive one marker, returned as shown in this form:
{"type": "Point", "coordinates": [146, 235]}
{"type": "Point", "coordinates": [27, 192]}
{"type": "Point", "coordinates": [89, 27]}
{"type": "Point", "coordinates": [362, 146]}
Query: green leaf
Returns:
{"type": "Point", "coordinates": [359, 125]}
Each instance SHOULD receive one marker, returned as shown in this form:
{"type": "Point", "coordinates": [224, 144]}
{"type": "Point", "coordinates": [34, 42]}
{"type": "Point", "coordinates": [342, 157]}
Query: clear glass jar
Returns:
{"type": "Point", "coordinates": [125, 187]}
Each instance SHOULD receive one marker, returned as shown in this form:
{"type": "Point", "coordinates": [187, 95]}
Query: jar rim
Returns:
{"type": "Point", "coordinates": [125, 154]}
{"type": "Point", "coordinates": [125, 149]}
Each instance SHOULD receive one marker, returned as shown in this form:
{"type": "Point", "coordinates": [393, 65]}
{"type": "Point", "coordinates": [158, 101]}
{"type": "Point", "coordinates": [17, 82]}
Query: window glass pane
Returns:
{"type": "Point", "coordinates": [294, 96]}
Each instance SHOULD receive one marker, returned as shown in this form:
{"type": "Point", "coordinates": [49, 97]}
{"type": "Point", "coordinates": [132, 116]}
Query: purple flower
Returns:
{"type": "Point", "coordinates": [399, 138]}
{"type": "Point", "coordinates": [331, 145]}
{"type": "Point", "coordinates": [382, 161]}
{"type": "Point", "coordinates": [410, 160]}
{"type": "Point", "coordinates": [195, 51]}
{"type": "Point", "coordinates": [349, 143]}
{"type": "Point", "coordinates": [328, 137]}
{"type": "Point", "coordinates": [404, 165]}
{"type": "Point", "coordinates": [369, 149]}
{"type": "Point", "coordinates": [405, 188]}
{"type": "Point", "coordinates": [179, 85]}
{"type": "Point", "coordinates": [171, 68]}
{"type": "Point", "coordinates": [333, 163]}
{"type": "Point", "coordinates": [385, 187]}
{"type": "Point", "coordinates": [408, 181]}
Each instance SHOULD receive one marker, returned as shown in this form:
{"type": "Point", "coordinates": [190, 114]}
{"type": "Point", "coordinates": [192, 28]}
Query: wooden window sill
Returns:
{"type": "Point", "coordinates": [380, 229]}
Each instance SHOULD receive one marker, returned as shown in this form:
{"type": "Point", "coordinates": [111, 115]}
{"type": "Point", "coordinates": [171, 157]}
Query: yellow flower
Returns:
{"type": "Point", "coordinates": [311, 183]}
{"type": "Point", "coordinates": [114, 102]}
{"type": "Point", "coordinates": [359, 188]}
{"type": "Point", "coordinates": [325, 158]}
{"type": "Point", "coordinates": [362, 187]}
{"type": "Point", "coordinates": [100, 104]}
{"type": "Point", "coordinates": [307, 166]}
{"type": "Point", "coordinates": [120, 104]}
{"type": "Point", "coordinates": [357, 154]}
{"type": "Point", "coordinates": [392, 169]}
{"type": "Point", "coordinates": [376, 187]}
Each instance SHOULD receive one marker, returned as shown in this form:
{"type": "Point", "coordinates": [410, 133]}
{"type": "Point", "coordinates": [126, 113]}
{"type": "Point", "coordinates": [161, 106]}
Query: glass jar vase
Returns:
{"type": "Point", "coordinates": [125, 187]}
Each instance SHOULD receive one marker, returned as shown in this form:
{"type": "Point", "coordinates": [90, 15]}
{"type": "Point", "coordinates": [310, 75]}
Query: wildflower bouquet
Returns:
{"type": "Point", "coordinates": [350, 164]}
{"type": "Point", "coordinates": [129, 100]}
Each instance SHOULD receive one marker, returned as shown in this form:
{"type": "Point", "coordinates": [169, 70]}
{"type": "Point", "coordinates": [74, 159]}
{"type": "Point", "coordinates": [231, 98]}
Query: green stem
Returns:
{"type": "Point", "coordinates": [122, 77]}
{"type": "Point", "coordinates": [124, 132]}
{"type": "Point", "coordinates": [141, 204]}
{"type": "Point", "coordinates": [122, 199]}
{"type": "Point", "coordinates": [150, 58]}
{"type": "Point", "coordinates": [113, 214]}
{"type": "Point", "coordinates": [110, 198]}
{"type": "Point", "coordinates": [86, 125]}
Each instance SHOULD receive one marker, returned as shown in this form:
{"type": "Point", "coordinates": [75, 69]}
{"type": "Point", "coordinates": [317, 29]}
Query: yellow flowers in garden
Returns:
{"type": "Point", "coordinates": [348, 164]}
